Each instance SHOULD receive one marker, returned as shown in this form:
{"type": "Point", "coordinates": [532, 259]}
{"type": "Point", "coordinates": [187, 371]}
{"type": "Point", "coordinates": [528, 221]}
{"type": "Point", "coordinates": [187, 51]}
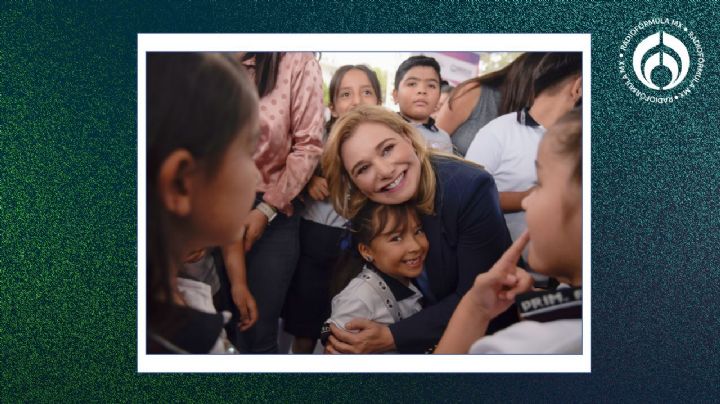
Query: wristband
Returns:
{"type": "Point", "coordinates": [267, 210]}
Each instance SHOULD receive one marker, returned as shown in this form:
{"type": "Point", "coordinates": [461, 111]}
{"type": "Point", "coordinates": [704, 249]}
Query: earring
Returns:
{"type": "Point", "coordinates": [369, 259]}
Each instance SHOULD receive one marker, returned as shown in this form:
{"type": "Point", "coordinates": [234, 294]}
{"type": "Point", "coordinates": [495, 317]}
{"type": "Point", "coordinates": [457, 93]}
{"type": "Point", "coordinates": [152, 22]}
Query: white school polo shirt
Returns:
{"type": "Point", "coordinates": [507, 147]}
{"type": "Point", "coordinates": [435, 137]}
{"type": "Point", "coordinates": [551, 323]}
{"type": "Point", "coordinates": [532, 337]}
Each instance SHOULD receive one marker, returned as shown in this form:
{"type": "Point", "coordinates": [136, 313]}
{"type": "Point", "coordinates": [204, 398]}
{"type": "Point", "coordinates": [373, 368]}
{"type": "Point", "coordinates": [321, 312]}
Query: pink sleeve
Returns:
{"type": "Point", "coordinates": [306, 127]}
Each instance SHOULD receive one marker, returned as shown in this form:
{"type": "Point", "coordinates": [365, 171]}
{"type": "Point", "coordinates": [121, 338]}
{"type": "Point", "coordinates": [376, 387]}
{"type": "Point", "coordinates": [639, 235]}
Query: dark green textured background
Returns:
{"type": "Point", "coordinates": [68, 205]}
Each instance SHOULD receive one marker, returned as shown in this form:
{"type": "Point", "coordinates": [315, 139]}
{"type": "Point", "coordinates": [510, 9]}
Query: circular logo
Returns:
{"type": "Point", "coordinates": [661, 61]}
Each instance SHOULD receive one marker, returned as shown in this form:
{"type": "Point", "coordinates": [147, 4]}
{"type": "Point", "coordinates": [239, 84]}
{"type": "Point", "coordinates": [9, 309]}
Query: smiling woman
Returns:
{"type": "Point", "coordinates": [381, 179]}
{"type": "Point", "coordinates": [374, 155]}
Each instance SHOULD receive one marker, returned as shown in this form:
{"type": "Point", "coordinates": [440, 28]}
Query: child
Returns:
{"type": "Point", "coordinates": [235, 269]}
{"type": "Point", "coordinates": [291, 123]}
{"type": "Point", "coordinates": [507, 146]}
{"type": "Point", "coordinates": [479, 100]}
{"type": "Point", "coordinates": [393, 246]}
{"type": "Point", "coordinates": [417, 92]}
{"type": "Point", "coordinates": [307, 303]}
{"type": "Point", "coordinates": [202, 126]}
{"type": "Point", "coordinates": [552, 320]}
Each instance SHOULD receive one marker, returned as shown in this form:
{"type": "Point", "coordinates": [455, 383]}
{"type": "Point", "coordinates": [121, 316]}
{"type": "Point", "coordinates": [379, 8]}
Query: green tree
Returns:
{"type": "Point", "coordinates": [491, 61]}
{"type": "Point", "coordinates": [326, 93]}
{"type": "Point", "coordinates": [382, 78]}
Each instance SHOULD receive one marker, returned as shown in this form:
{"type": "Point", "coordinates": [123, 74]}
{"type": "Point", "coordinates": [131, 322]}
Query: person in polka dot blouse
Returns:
{"type": "Point", "coordinates": [288, 150]}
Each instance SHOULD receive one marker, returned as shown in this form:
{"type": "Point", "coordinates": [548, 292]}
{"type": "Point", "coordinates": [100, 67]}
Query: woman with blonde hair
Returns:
{"type": "Point", "coordinates": [373, 154]}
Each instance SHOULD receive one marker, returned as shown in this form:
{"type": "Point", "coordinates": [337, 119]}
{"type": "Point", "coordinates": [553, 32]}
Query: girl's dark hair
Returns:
{"type": "Point", "coordinates": [267, 66]}
{"type": "Point", "coordinates": [198, 102]}
{"type": "Point", "coordinates": [514, 82]}
{"type": "Point", "coordinates": [555, 67]}
{"type": "Point", "coordinates": [517, 91]}
{"type": "Point", "coordinates": [370, 222]}
{"type": "Point", "coordinates": [337, 77]}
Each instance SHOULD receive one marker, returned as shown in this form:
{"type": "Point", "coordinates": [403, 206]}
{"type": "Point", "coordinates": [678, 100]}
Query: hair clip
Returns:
{"type": "Point", "coordinates": [346, 238]}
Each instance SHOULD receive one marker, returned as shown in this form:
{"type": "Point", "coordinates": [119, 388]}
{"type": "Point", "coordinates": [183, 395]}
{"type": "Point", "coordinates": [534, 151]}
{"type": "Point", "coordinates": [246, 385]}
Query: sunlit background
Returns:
{"type": "Point", "coordinates": [455, 67]}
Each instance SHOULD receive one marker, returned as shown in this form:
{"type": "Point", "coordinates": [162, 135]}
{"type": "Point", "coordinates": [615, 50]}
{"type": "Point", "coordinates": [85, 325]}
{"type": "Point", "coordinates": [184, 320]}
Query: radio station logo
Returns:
{"type": "Point", "coordinates": [661, 60]}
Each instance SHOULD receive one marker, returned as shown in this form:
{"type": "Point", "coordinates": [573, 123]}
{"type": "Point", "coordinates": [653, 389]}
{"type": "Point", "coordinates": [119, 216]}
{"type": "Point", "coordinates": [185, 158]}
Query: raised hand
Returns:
{"type": "Point", "coordinates": [495, 290]}
{"type": "Point", "coordinates": [492, 293]}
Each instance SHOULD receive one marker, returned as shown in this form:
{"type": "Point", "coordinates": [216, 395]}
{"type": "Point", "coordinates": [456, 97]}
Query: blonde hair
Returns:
{"type": "Point", "coordinates": [345, 197]}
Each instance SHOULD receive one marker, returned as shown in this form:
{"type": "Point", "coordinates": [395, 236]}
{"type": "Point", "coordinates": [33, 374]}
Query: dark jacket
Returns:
{"type": "Point", "coordinates": [467, 235]}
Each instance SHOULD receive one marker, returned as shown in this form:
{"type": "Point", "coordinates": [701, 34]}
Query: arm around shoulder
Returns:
{"type": "Point", "coordinates": [474, 225]}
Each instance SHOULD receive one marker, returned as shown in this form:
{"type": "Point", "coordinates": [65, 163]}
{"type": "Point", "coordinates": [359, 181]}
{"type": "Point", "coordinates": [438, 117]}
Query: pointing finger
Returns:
{"type": "Point", "coordinates": [513, 253]}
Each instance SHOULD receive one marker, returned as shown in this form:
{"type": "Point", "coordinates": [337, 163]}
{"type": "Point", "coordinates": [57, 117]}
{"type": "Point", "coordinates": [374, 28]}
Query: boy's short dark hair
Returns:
{"type": "Point", "coordinates": [414, 61]}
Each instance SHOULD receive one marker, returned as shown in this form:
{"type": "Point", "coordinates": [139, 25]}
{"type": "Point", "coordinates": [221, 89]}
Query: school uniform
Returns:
{"type": "Point", "coordinates": [435, 137]}
{"type": "Point", "coordinates": [204, 270]}
{"type": "Point", "coordinates": [183, 329]}
{"type": "Point", "coordinates": [507, 147]}
{"type": "Point", "coordinates": [375, 296]}
{"type": "Point", "coordinates": [552, 324]}
{"type": "Point", "coordinates": [198, 295]}
{"type": "Point", "coordinates": [467, 235]}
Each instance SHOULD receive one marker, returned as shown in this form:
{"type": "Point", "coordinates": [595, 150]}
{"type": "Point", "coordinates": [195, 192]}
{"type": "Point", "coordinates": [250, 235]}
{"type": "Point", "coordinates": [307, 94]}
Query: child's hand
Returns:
{"type": "Point", "coordinates": [245, 303]}
{"type": "Point", "coordinates": [255, 224]}
{"type": "Point", "coordinates": [494, 291]}
{"type": "Point", "coordinates": [317, 188]}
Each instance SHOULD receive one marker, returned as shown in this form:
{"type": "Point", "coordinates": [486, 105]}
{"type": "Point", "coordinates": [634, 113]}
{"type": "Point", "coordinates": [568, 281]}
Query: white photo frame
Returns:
{"type": "Point", "coordinates": [363, 363]}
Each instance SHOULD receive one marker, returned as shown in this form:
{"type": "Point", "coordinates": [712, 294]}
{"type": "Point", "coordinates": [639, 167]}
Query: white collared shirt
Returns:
{"type": "Point", "coordinates": [532, 337]}
{"type": "Point", "coordinates": [361, 300]}
{"type": "Point", "coordinates": [507, 149]}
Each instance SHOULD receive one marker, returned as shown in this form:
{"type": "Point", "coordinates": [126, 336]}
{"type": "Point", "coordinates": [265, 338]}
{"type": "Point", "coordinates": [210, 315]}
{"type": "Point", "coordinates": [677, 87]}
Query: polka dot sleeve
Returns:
{"type": "Point", "coordinates": [305, 130]}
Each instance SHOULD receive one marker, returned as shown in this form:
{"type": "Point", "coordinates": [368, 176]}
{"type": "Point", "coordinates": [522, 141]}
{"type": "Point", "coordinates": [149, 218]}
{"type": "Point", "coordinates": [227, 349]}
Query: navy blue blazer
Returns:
{"type": "Point", "coordinates": [467, 235]}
